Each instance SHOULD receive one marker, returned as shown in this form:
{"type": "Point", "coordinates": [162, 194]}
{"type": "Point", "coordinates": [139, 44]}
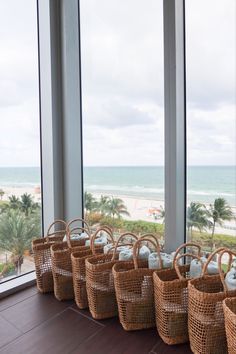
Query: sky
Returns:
{"type": "Point", "coordinates": [123, 83]}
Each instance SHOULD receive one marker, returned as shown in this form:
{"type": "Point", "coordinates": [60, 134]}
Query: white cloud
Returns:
{"type": "Point", "coordinates": [19, 112]}
{"type": "Point", "coordinates": [122, 72]}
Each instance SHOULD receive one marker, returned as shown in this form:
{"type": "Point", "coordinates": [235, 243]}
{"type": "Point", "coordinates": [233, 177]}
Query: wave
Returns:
{"type": "Point", "coordinates": [223, 194]}
{"type": "Point", "coordinates": [151, 190]}
{"type": "Point", "coordinates": [19, 184]}
{"type": "Point", "coordinates": [136, 189]}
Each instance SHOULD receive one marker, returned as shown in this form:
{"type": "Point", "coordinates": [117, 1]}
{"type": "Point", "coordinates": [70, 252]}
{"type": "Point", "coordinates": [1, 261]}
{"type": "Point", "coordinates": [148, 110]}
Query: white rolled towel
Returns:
{"type": "Point", "coordinates": [154, 260]}
{"type": "Point", "coordinates": [212, 267]}
{"type": "Point", "coordinates": [230, 279]}
{"type": "Point", "coordinates": [101, 241]}
{"type": "Point", "coordinates": [144, 253]}
{"type": "Point", "coordinates": [76, 237]}
{"type": "Point", "coordinates": [180, 260]}
{"type": "Point", "coordinates": [195, 268]}
{"type": "Point", "coordinates": [126, 254]}
{"type": "Point", "coordinates": [110, 246]}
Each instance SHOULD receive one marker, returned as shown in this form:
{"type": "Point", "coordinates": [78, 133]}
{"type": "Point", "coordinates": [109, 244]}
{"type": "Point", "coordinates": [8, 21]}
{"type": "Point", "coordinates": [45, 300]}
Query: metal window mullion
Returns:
{"type": "Point", "coordinates": [175, 139]}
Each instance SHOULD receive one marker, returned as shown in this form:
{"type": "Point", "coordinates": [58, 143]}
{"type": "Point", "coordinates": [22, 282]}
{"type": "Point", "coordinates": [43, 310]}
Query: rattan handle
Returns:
{"type": "Point", "coordinates": [80, 220]}
{"type": "Point", "coordinates": [185, 245]}
{"type": "Point", "coordinates": [210, 258]}
{"type": "Point", "coordinates": [69, 233]}
{"type": "Point", "coordinates": [92, 242]}
{"type": "Point", "coordinates": [136, 249]}
{"type": "Point", "coordinates": [108, 228]}
{"type": "Point", "coordinates": [118, 242]}
{"type": "Point", "coordinates": [176, 263]}
{"type": "Point", "coordinates": [56, 222]}
{"type": "Point", "coordinates": [152, 236]}
{"type": "Point", "coordinates": [113, 248]}
{"type": "Point", "coordinates": [222, 276]}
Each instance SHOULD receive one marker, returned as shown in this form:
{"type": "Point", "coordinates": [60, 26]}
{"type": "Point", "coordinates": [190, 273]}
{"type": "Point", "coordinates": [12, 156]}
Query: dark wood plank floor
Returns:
{"type": "Point", "coordinates": [32, 323]}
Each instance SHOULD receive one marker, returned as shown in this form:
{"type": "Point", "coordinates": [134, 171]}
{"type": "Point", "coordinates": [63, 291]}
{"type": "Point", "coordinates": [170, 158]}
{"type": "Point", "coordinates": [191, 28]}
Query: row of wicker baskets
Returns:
{"type": "Point", "coordinates": [180, 307]}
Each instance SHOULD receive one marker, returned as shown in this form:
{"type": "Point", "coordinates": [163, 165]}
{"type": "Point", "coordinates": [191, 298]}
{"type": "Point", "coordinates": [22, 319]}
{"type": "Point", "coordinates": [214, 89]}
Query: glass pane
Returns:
{"type": "Point", "coordinates": [211, 122]}
{"type": "Point", "coordinates": [20, 196]}
{"type": "Point", "coordinates": [123, 114]}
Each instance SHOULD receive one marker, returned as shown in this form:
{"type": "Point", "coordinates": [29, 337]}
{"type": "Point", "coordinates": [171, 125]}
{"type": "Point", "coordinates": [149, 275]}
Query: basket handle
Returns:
{"type": "Point", "coordinates": [210, 258]}
{"type": "Point", "coordinates": [137, 248]}
{"type": "Point", "coordinates": [92, 242]}
{"type": "Point", "coordinates": [185, 245]}
{"type": "Point", "coordinates": [69, 233]}
{"type": "Point", "coordinates": [176, 263]}
{"type": "Point", "coordinates": [108, 228]}
{"type": "Point", "coordinates": [84, 222]}
{"type": "Point", "coordinates": [56, 222]}
{"type": "Point", "coordinates": [222, 275]}
{"type": "Point", "coordinates": [118, 242]}
{"type": "Point", "coordinates": [152, 237]}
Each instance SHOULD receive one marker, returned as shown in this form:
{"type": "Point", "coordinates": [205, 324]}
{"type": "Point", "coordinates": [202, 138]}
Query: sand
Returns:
{"type": "Point", "coordinates": [138, 207]}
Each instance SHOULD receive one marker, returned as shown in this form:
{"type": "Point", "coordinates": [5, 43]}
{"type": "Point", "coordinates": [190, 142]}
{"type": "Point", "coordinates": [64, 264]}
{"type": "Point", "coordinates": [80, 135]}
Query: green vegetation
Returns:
{"type": "Point", "coordinates": [109, 211]}
{"type": "Point", "coordinates": [219, 212]}
{"type": "Point", "coordinates": [20, 221]}
{"type": "Point", "coordinates": [197, 217]}
{"type": "Point", "coordinates": [201, 218]}
{"type": "Point", "coordinates": [7, 269]}
{"type": "Point", "coordinates": [1, 193]}
{"type": "Point", "coordinates": [105, 207]}
{"type": "Point", "coordinates": [205, 240]}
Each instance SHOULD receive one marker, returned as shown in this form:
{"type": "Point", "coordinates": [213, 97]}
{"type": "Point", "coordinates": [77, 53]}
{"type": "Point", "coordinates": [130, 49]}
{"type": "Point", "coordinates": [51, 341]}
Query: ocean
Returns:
{"type": "Point", "coordinates": [204, 183]}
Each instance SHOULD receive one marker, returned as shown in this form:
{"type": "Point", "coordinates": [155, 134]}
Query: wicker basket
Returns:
{"type": "Point", "coordinates": [42, 255]}
{"type": "Point", "coordinates": [134, 290]}
{"type": "Point", "coordinates": [206, 319]}
{"type": "Point", "coordinates": [171, 298]}
{"type": "Point", "coordinates": [100, 282]}
{"type": "Point", "coordinates": [78, 267]}
{"type": "Point", "coordinates": [61, 262]}
{"type": "Point", "coordinates": [229, 306]}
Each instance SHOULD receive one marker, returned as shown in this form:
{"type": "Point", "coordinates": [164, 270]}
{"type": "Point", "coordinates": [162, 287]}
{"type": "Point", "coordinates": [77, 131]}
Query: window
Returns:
{"type": "Point", "coordinates": [211, 122]}
{"type": "Point", "coordinates": [20, 195]}
{"type": "Point", "coordinates": [123, 114]}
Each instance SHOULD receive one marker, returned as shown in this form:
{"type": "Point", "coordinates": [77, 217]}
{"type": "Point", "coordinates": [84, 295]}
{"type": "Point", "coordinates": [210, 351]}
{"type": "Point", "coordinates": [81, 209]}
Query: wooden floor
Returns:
{"type": "Point", "coordinates": [32, 323]}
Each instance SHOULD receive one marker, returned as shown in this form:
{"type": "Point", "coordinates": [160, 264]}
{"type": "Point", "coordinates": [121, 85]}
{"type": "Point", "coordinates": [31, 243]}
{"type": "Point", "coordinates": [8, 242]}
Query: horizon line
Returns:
{"type": "Point", "coordinates": [220, 165]}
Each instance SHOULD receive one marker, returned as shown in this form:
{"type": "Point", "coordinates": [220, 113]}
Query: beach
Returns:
{"type": "Point", "coordinates": [139, 207]}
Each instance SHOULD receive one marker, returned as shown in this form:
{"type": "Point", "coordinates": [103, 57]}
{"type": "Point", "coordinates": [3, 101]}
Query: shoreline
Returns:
{"type": "Point", "coordinates": [137, 206]}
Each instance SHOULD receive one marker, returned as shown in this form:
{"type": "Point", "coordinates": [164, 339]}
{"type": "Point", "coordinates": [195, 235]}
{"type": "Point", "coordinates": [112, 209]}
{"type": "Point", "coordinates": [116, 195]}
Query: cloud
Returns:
{"type": "Point", "coordinates": [19, 106]}
{"type": "Point", "coordinates": [123, 82]}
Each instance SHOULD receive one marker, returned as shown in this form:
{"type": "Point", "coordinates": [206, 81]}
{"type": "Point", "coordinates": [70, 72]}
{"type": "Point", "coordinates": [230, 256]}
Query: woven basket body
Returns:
{"type": "Point", "coordinates": [229, 306]}
{"type": "Point", "coordinates": [206, 318]}
{"type": "Point", "coordinates": [78, 268]}
{"type": "Point", "coordinates": [61, 263]}
{"type": "Point", "coordinates": [100, 283]}
{"type": "Point", "coordinates": [42, 256]}
{"type": "Point", "coordinates": [171, 299]}
{"type": "Point", "coordinates": [134, 291]}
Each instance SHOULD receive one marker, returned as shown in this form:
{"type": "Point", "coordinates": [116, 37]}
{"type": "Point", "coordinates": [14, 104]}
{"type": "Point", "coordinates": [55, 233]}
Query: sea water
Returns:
{"type": "Point", "coordinates": [204, 183]}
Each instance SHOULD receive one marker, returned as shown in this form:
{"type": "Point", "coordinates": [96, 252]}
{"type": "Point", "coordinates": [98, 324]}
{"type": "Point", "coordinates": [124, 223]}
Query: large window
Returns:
{"type": "Point", "coordinates": [211, 122]}
{"type": "Point", "coordinates": [123, 114]}
{"type": "Point", "coordinates": [20, 196]}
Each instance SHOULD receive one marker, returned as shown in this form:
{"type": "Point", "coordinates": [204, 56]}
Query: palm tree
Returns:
{"type": "Point", "coordinates": [90, 203]}
{"type": "Point", "coordinates": [103, 204]}
{"type": "Point", "coordinates": [27, 204]}
{"type": "Point", "coordinates": [116, 207]}
{"type": "Point", "coordinates": [1, 193]}
{"type": "Point", "coordinates": [162, 214]}
{"type": "Point", "coordinates": [14, 202]}
{"type": "Point", "coordinates": [16, 233]}
{"type": "Point", "coordinates": [197, 217]}
{"type": "Point", "coordinates": [219, 212]}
